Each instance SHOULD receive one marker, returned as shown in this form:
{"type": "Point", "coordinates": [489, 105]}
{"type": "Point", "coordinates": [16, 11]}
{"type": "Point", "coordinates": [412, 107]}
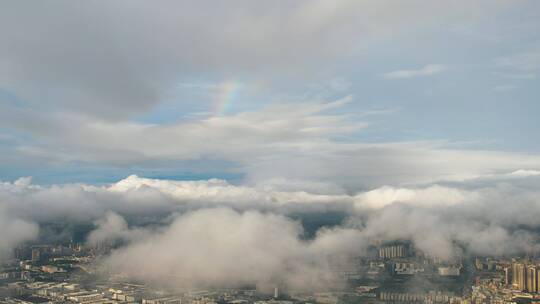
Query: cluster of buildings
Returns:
{"type": "Point", "coordinates": [60, 274]}
{"type": "Point", "coordinates": [504, 281]}
{"type": "Point", "coordinates": [47, 274]}
{"type": "Point", "coordinates": [426, 298]}
{"type": "Point", "coordinates": [523, 276]}
{"type": "Point", "coordinates": [124, 293]}
{"type": "Point", "coordinates": [393, 251]}
{"type": "Point", "coordinates": [402, 259]}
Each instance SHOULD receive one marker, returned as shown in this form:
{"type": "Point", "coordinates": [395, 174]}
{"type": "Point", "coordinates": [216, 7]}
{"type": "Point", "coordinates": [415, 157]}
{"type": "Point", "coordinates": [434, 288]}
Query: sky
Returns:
{"type": "Point", "coordinates": [228, 125]}
{"type": "Point", "coordinates": [347, 92]}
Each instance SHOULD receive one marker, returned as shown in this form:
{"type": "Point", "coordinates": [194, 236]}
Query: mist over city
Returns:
{"type": "Point", "coordinates": [270, 152]}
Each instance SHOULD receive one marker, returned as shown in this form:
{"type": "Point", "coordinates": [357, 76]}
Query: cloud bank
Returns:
{"type": "Point", "coordinates": [224, 248]}
{"type": "Point", "coordinates": [228, 234]}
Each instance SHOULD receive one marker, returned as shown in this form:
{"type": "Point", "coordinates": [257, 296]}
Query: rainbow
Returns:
{"type": "Point", "coordinates": [225, 96]}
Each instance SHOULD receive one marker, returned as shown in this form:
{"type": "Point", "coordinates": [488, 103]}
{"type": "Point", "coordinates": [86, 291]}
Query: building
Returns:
{"type": "Point", "coordinates": [519, 276]}
{"type": "Point", "coordinates": [508, 276]}
{"type": "Point", "coordinates": [531, 278]}
{"type": "Point", "coordinates": [50, 269]}
{"type": "Point", "coordinates": [163, 300]}
{"type": "Point", "coordinates": [406, 268]}
{"type": "Point", "coordinates": [393, 251]}
{"type": "Point", "coordinates": [449, 271]}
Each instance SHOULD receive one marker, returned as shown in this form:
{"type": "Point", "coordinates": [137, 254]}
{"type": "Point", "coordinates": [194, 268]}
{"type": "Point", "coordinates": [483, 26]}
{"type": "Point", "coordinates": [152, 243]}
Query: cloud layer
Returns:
{"type": "Point", "coordinates": [142, 91]}
{"type": "Point", "coordinates": [302, 142]}
{"type": "Point", "coordinates": [133, 64]}
{"type": "Point", "coordinates": [229, 234]}
{"type": "Point", "coordinates": [224, 248]}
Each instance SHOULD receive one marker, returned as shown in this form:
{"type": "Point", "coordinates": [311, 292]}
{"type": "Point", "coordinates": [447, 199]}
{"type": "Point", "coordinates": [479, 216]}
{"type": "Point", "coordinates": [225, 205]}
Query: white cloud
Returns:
{"type": "Point", "coordinates": [215, 191]}
{"type": "Point", "coordinates": [247, 133]}
{"type": "Point", "coordinates": [434, 217]}
{"type": "Point", "coordinates": [433, 196]}
{"type": "Point", "coordinates": [524, 173]}
{"type": "Point", "coordinates": [295, 141]}
{"type": "Point", "coordinates": [13, 232]}
{"type": "Point", "coordinates": [239, 249]}
{"type": "Point", "coordinates": [111, 228]}
{"type": "Point", "coordinates": [443, 221]}
{"type": "Point", "coordinates": [428, 70]}
{"type": "Point", "coordinates": [528, 61]}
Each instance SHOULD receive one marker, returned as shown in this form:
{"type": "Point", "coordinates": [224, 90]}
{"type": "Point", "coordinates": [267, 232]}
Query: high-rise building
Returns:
{"type": "Point", "coordinates": [519, 276]}
{"type": "Point", "coordinates": [508, 276]}
{"type": "Point", "coordinates": [532, 279]}
{"type": "Point", "coordinates": [514, 272]}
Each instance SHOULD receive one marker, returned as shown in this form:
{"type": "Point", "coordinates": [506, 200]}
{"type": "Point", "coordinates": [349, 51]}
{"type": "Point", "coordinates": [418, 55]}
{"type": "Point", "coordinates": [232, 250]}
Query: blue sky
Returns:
{"type": "Point", "coordinates": [253, 92]}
